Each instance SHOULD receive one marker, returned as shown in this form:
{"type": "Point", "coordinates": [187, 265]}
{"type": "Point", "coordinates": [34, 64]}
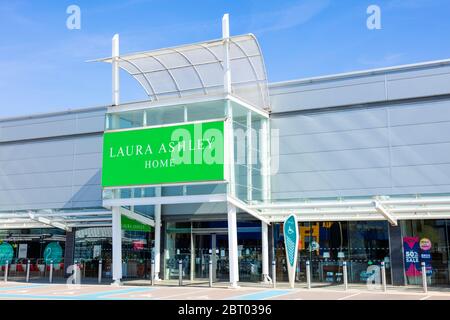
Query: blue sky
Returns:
{"type": "Point", "coordinates": [43, 64]}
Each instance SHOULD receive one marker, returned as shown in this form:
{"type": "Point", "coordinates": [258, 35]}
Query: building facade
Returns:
{"type": "Point", "coordinates": [362, 159]}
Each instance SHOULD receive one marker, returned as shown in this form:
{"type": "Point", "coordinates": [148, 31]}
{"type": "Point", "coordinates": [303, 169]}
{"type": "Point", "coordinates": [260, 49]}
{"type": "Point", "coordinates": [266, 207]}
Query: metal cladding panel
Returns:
{"type": "Point", "coordinates": [52, 172]}
{"type": "Point", "coordinates": [335, 160]}
{"type": "Point", "coordinates": [403, 82]}
{"type": "Point", "coordinates": [427, 82]}
{"type": "Point", "coordinates": [52, 125]}
{"type": "Point", "coordinates": [415, 113]}
{"type": "Point", "coordinates": [389, 149]}
{"type": "Point", "coordinates": [329, 121]}
{"type": "Point", "coordinates": [338, 93]}
{"type": "Point", "coordinates": [358, 179]}
{"type": "Point", "coordinates": [333, 141]}
{"type": "Point", "coordinates": [411, 176]}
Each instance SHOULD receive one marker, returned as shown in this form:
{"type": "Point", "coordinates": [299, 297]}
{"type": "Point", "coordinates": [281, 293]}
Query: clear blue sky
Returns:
{"type": "Point", "coordinates": [43, 68]}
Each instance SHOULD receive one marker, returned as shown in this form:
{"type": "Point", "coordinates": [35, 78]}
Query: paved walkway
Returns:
{"type": "Point", "coordinates": [42, 291]}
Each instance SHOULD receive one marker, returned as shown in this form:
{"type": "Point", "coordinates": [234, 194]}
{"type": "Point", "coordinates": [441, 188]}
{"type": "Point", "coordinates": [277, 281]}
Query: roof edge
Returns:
{"type": "Point", "coordinates": [52, 113]}
{"type": "Point", "coordinates": [360, 73]}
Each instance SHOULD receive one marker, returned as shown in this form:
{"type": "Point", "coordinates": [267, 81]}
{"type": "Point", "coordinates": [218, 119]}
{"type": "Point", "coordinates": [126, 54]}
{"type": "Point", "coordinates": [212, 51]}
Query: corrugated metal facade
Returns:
{"type": "Point", "coordinates": [363, 135]}
{"type": "Point", "coordinates": [51, 161]}
{"type": "Point", "coordinates": [371, 133]}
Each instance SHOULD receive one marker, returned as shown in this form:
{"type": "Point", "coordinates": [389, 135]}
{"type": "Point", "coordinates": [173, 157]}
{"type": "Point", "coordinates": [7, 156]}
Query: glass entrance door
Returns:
{"type": "Point", "coordinates": [212, 247]}
{"type": "Point", "coordinates": [202, 254]}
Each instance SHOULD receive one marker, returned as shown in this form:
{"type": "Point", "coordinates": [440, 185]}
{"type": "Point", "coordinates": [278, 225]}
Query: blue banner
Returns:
{"type": "Point", "coordinates": [411, 252]}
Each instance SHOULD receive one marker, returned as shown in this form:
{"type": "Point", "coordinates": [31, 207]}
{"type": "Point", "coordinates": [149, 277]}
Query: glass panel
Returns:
{"type": "Point", "coordinates": [368, 245]}
{"type": "Point", "coordinates": [136, 254]}
{"type": "Point", "coordinates": [91, 245]}
{"type": "Point", "coordinates": [206, 110]}
{"type": "Point", "coordinates": [123, 120]}
{"type": "Point", "coordinates": [172, 191]}
{"type": "Point", "coordinates": [429, 241]}
{"type": "Point", "coordinates": [41, 246]}
{"type": "Point", "coordinates": [249, 252]}
{"type": "Point", "coordinates": [222, 264]}
{"type": "Point", "coordinates": [206, 189]}
{"type": "Point", "coordinates": [178, 247]}
{"type": "Point", "coordinates": [247, 172]}
{"type": "Point", "coordinates": [328, 244]}
{"type": "Point", "coordinates": [202, 255]}
{"type": "Point", "coordinates": [165, 115]}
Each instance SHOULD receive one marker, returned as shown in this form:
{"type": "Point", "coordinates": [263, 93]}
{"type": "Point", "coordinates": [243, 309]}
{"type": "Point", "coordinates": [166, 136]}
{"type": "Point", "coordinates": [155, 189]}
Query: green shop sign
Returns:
{"type": "Point", "coordinates": [133, 225]}
{"type": "Point", "coordinates": [192, 152]}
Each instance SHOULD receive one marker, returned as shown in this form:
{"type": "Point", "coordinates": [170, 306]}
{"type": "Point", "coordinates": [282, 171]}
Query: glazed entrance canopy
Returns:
{"type": "Point", "coordinates": [198, 69]}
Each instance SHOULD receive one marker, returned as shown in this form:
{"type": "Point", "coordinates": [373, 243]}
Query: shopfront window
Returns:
{"type": "Point", "coordinates": [426, 241]}
{"type": "Point", "coordinates": [42, 247]}
{"type": "Point", "coordinates": [368, 246]}
{"type": "Point", "coordinates": [91, 246]}
{"type": "Point", "coordinates": [137, 249]}
{"type": "Point", "coordinates": [328, 244]}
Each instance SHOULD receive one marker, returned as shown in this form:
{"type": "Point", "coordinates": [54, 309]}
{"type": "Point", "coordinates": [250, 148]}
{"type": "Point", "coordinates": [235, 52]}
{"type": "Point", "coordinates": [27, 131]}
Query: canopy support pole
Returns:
{"type": "Point", "coordinates": [157, 250]}
{"type": "Point", "coordinates": [116, 245]}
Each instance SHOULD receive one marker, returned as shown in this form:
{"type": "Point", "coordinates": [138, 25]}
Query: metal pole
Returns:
{"type": "Point", "coordinates": [75, 272]}
{"type": "Point", "coordinates": [344, 271]}
{"type": "Point", "coordinates": [27, 279]}
{"type": "Point", "coordinates": [116, 246]}
{"type": "Point", "coordinates": [210, 272]}
{"type": "Point", "coordinates": [274, 273]}
{"type": "Point", "coordinates": [115, 70]}
{"type": "Point", "coordinates": [50, 278]}
{"type": "Point", "coordinates": [308, 274]}
{"type": "Point", "coordinates": [383, 276]}
{"type": "Point", "coordinates": [100, 270]}
{"type": "Point", "coordinates": [424, 277]}
{"type": "Point", "coordinates": [180, 272]}
{"type": "Point", "coordinates": [152, 272]}
{"type": "Point", "coordinates": [6, 270]}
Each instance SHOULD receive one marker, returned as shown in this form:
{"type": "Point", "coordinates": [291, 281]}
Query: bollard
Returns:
{"type": "Point", "coordinates": [210, 272]}
{"type": "Point", "coordinates": [383, 276]}
{"type": "Point", "coordinates": [344, 271]}
{"type": "Point", "coordinates": [152, 273]}
{"type": "Point", "coordinates": [6, 270]}
{"type": "Point", "coordinates": [180, 272]}
{"type": "Point", "coordinates": [308, 274]}
{"type": "Point", "coordinates": [50, 278]}
{"type": "Point", "coordinates": [27, 279]}
{"type": "Point", "coordinates": [424, 277]}
{"type": "Point", "coordinates": [75, 272]}
{"type": "Point", "coordinates": [274, 273]}
{"type": "Point", "coordinates": [100, 270]}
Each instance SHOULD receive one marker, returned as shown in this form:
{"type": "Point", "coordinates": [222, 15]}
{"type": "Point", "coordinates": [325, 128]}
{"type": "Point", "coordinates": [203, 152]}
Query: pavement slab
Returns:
{"type": "Point", "coordinates": [30, 291]}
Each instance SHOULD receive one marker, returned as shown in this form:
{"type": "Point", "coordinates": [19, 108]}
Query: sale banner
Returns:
{"type": "Point", "coordinates": [411, 254]}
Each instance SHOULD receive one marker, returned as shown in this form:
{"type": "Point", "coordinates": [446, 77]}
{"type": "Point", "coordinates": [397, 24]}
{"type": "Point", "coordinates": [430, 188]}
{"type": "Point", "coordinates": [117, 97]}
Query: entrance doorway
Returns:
{"type": "Point", "coordinates": [197, 243]}
{"type": "Point", "coordinates": [212, 247]}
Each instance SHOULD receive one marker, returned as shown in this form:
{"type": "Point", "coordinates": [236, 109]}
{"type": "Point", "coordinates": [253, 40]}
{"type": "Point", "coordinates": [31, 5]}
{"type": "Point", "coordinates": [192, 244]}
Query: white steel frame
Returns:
{"type": "Point", "coordinates": [55, 219]}
{"type": "Point", "coordinates": [378, 208]}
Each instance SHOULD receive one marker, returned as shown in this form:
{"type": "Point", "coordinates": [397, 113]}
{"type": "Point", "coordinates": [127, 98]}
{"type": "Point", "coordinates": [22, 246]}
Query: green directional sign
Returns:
{"type": "Point", "coordinates": [6, 253]}
{"type": "Point", "coordinates": [53, 253]}
{"type": "Point", "coordinates": [192, 152]}
{"type": "Point", "coordinates": [290, 231]}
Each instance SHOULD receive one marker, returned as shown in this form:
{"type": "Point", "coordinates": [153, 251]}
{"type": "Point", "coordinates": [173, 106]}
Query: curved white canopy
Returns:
{"type": "Point", "coordinates": [198, 69]}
